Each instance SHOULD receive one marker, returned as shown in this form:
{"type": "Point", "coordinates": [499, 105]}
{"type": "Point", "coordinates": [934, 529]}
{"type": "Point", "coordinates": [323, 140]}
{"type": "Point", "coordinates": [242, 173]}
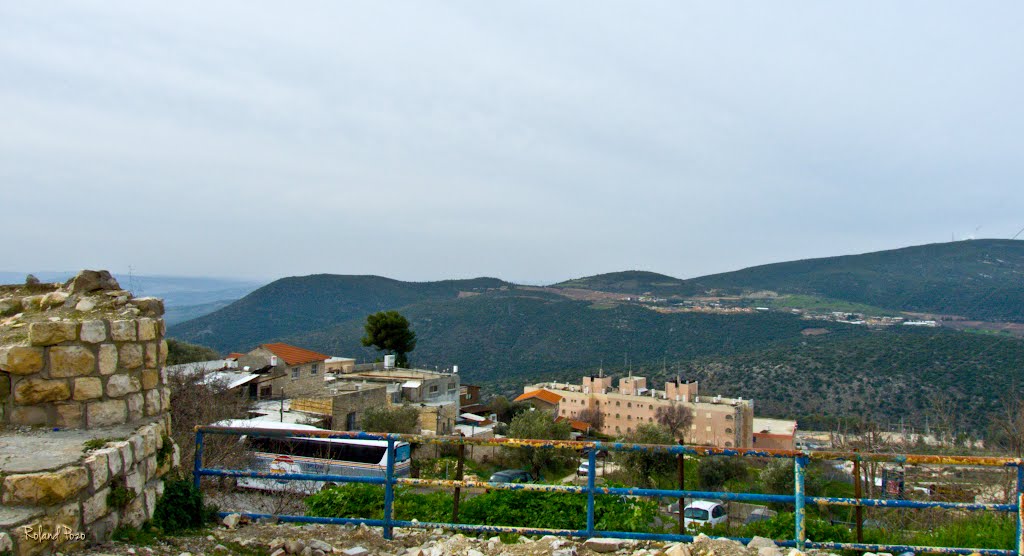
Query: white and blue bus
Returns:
{"type": "Point", "coordinates": [315, 456]}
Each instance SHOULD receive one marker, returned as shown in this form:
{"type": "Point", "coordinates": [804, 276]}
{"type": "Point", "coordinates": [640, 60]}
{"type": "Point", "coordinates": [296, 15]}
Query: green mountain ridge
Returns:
{"type": "Point", "coordinates": [503, 336]}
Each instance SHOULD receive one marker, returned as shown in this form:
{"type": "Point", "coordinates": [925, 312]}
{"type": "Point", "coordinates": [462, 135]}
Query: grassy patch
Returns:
{"type": "Point", "coordinates": [97, 443]}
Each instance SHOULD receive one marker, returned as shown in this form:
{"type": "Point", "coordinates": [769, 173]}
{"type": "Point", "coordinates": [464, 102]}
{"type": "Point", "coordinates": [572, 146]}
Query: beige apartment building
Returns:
{"type": "Point", "coordinates": [717, 421]}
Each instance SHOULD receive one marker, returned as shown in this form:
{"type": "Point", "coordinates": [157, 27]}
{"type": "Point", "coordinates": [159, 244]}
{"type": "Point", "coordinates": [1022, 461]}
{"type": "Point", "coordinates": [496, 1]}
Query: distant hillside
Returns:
{"type": "Point", "coordinates": [927, 377]}
{"type": "Point", "coordinates": [504, 340]}
{"type": "Point", "coordinates": [298, 305]}
{"type": "Point", "coordinates": [981, 279]}
{"type": "Point", "coordinates": [630, 281]}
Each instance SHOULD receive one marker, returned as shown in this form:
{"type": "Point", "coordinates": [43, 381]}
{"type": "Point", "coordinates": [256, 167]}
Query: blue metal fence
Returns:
{"type": "Point", "coordinates": [799, 499]}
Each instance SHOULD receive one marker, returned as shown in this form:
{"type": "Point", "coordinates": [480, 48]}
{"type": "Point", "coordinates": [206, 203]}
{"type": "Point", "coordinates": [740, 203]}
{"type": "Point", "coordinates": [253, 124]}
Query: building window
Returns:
{"type": "Point", "coordinates": [617, 404]}
{"type": "Point", "coordinates": [728, 430]}
{"type": "Point", "coordinates": [650, 420]}
{"type": "Point", "coordinates": [728, 444]}
{"type": "Point", "coordinates": [616, 416]}
{"type": "Point", "coordinates": [312, 369]}
{"type": "Point", "coordinates": [451, 386]}
{"type": "Point", "coordinates": [432, 391]}
{"type": "Point", "coordinates": [350, 421]}
{"type": "Point", "coordinates": [629, 417]}
{"type": "Point", "coordinates": [563, 412]}
{"type": "Point", "coordinates": [728, 417]}
{"type": "Point", "coordinates": [295, 372]}
{"type": "Point", "coordinates": [629, 404]}
{"type": "Point", "coordinates": [651, 407]}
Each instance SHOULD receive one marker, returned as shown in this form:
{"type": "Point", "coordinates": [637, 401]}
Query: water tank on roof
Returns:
{"type": "Point", "coordinates": [273, 360]}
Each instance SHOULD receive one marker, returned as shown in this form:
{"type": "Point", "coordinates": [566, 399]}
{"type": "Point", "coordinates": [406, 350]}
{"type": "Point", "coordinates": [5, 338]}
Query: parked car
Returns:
{"type": "Point", "coordinates": [584, 469]}
{"type": "Point", "coordinates": [511, 476]}
{"type": "Point", "coordinates": [703, 512]}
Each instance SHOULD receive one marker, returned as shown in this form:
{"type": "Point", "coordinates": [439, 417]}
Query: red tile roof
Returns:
{"type": "Point", "coordinates": [541, 394]}
{"type": "Point", "coordinates": [235, 355]}
{"type": "Point", "coordinates": [295, 355]}
{"type": "Point", "coordinates": [577, 425]}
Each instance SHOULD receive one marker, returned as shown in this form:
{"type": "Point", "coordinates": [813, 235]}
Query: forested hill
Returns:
{"type": "Point", "coordinates": [980, 279]}
{"type": "Point", "coordinates": [926, 377]}
{"type": "Point", "coordinates": [298, 305]}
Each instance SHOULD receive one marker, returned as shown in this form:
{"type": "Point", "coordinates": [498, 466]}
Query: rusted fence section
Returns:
{"type": "Point", "coordinates": [798, 499]}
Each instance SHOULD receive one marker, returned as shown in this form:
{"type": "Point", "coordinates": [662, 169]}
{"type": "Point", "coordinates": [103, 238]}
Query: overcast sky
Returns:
{"type": "Point", "coordinates": [529, 141]}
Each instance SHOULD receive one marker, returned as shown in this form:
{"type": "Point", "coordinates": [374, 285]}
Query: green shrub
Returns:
{"type": "Point", "coordinates": [782, 525]}
{"type": "Point", "coordinates": [358, 500]}
{"type": "Point", "coordinates": [713, 472]}
{"type": "Point", "coordinates": [982, 530]}
{"type": "Point", "coordinates": [119, 497]}
{"type": "Point", "coordinates": [181, 508]}
{"type": "Point", "coordinates": [165, 451]}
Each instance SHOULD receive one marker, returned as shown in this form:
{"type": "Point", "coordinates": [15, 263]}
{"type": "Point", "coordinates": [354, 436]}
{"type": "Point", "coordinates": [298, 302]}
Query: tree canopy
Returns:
{"type": "Point", "coordinates": [539, 425]}
{"type": "Point", "coordinates": [389, 331]}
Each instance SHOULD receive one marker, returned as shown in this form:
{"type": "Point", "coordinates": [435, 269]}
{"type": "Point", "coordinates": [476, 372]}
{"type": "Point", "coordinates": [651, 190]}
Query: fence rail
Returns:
{"type": "Point", "coordinates": [798, 499]}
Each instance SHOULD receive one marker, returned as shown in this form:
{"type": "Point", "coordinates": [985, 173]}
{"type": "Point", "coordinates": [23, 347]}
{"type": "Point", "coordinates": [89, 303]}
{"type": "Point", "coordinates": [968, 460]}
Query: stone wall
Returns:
{"type": "Point", "coordinates": [83, 502]}
{"type": "Point", "coordinates": [84, 412]}
{"type": "Point", "coordinates": [81, 355]}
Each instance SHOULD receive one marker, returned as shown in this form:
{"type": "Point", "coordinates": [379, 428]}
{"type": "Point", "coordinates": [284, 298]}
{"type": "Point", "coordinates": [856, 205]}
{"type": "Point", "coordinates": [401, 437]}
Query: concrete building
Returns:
{"type": "Point", "coordinates": [774, 434]}
{"type": "Point", "coordinates": [293, 371]}
{"type": "Point", "coordinates": [717, 421]}
{"type": "Point", "coordinates": [346, 405]}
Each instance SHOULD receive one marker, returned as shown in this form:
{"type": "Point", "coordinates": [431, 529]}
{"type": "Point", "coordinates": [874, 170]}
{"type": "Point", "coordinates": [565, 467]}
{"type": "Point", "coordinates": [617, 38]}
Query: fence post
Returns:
{"type": "Point", "coordinates": [458, 489]}
{"type": "Point", "coordinates": [591, 473]}
{"type": "Point", "coordinates": [1020, 508]}
{"type": "Point", "coordinates": [197, 462]}
{"type": "Point", "coordinates": [858, 494]}
{"type": "Point", "coordinates": [682, 486]}
{"type": "Point", "coordinates": [800, 533]}
{"type": "Point", "coordinates": [389, 488]}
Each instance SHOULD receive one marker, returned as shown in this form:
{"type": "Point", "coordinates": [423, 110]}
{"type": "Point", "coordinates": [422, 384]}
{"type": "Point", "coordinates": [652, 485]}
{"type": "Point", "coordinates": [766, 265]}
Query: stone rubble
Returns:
{"type": "Point", "coordinates": [349, 540]}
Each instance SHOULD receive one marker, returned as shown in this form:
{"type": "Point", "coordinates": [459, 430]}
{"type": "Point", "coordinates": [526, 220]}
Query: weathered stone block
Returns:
{"type": "Point", "coordinates": [114, 461]}
{"type": "Point", "coordinates": [9, 306]}
{"type": "Point", "coordinates": [53, 299]}
{"type": "Point", "coordinates": [135, 514]}
{"type": "Point", "coordinates": [93, 331]}
{"type": "Point", "coordinates": [163, 353]}
{"type": "Point", "coordinates": [150, 379]}
{"type": "Point", "coordinates": [101, 530]}
{"type": "Point", "coordinates": [123, 330]}
{"type": "Point", "coordinates": [5, 389]}
{"type": "Point", "coordinates": [68, 517]}
{"type": "Point", "coordinates": [51, 333]}
{"type": "Point", "coordinates": [134, 403]}
{"type": "Point", "coordinates": [161, 327]}
{"type": "Point", "coordinates": [150, 306]}
{"type": "Point", "coordinates": [88, 388]}
{"type": "Point", "coordinates": [147, 330]}
{"type": "Point", "coordinates": [130, 356]}
{"type": "Point", "coordinates": [120, 384]}
{"type": "Point", "coordinates": [103, 414]}
{"type": "Point", "coordinates": [66, 361]}
{"type": "Point", "coordinates": [165, 398]}
{"type": "Point", "coordinates": [127, 459]}
{"type": "Point", "coordinates": [134, 480]}
{"type": "Point", "coordinates": [44, 489]}
{"type": "Point", "coordinates": [150, 499]}
{"type": "Point", "coordinates": [151, 467]}
{"type": "Point", "coordinates": [149, 436]}
{"type": "Point", "coordinates": [153, 405]}
{"type": "Point", "coordinates": [69, 415]}
{"type": "Point", "coordinates": [99, 469]}
{"type": "Point", "coordinates": [33, 391]}
{"type": "Point", "coordinates": [95, 506]}
{"type": "Point", "coordinates": [137, 449]}
{"type": "Point", "coordinates": [91, 280]}
{"type": "Point", "coordinates": [108, 359]}
{"type": "Point", "coordinates": [150, 358]}
{"type": "Point", "coordinates": [28, 416]}
{"type": "Point", "coordinates": [23, 360]}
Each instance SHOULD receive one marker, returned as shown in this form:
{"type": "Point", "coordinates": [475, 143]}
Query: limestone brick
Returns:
{"type": "Point", "coordinates": [161, 327]}
{"type": "Point", "coordinates": [44, 489]}
{"type": "Point", "coordinates": [101, 530]}
{"type": "Point", "coordinates": [130, 356]}
{"type": "Point", "coordinates": [22, 360]}
{"type": "Point", "coordinates": [150, 306]}
{"type": "Point", "coordinates": [149, 436]}
{"type": "Point", "coordinates": [32, 302]}
{"type": "Point", "coordinates": [163, 352]}
{"type": "Point", "coordinates": [99, 469]}
{"type": "Point", "coordinates": [150, 357]}
{"type": "Point", "coordinates": [108, 359]}
{"type": "Point", "coordinates": [28, 416]}
{"type": "Point", "coordinates": [88, 388]}
{"type": "Point", "coordinates": [125, 448]}
{"type": "Point", "coordinates": [52, 333]}
{"type": "Point", "coordinates": [135, 403]}
{"type": "Point", "coordinates": [121, 384]}
{"type": "Point", "coordinates": [114, 461]}
{"type": "Point", "coordinates": [147, 330]}
{"type": "Point", "coordinates": [69, 415]}
{"type": "Point", "coordinates": [66, 361]}
{"type": "Point", "coordinates": [93, 331]}
{"type": "Point", "coordinates": [134, 480]}
{"type": "Point", "coordinates": [135, 514]}
{"type": "Point", "coordinates": [150, 379]}
{"type": "Point", "coordinates": [33, 391]}
{"type": "Point", "coordinates": [137, 449]}
{"type": "Point", "coordinates": [151, 467]}
{"type": "Point", "coordinates": [68, 516]}
{"type": "Point", "coordinates": [153, 405]}
{"type": "Point", "coordinates": [151, 497]}
{"type": "Point", "coordinates": [95, 506]}
{"type": "Point", "coordinates": [106, 413]}
{"type": "Point", "coordinates": [123, 330]}
{"type": "Point", "coordinates": [165, 395]}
